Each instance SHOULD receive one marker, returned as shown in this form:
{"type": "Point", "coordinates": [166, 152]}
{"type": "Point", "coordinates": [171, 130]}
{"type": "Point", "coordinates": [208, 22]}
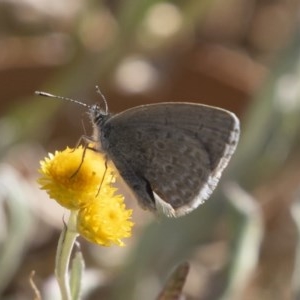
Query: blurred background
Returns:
{"type": "Point", "coordinates": [241, 55]}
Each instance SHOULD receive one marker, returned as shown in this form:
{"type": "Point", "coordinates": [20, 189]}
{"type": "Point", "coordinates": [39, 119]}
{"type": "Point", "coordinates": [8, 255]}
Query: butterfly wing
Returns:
{"type": "Point", "coordinates": [171, 154]}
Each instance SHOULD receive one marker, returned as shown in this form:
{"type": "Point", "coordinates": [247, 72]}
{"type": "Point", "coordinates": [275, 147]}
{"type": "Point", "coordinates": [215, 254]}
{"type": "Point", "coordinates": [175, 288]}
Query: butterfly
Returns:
{"type": "Point", "coordinates": [171, 155]}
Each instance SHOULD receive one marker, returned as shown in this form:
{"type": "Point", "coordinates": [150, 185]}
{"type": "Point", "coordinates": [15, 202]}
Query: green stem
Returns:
{"type": "Point", "coordinates": [64, 249]}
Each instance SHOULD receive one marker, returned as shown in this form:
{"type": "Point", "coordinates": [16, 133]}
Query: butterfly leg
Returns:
{"type": "Point", "coordinates": [86, 139]}
{"type": "Point", "coordinates": [102, 178]}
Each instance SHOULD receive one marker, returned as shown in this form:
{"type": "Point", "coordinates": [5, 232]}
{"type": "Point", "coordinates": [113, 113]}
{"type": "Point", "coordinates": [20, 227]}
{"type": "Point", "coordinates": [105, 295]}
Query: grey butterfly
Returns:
{"type": "Point", "coordinates": [171, 155]}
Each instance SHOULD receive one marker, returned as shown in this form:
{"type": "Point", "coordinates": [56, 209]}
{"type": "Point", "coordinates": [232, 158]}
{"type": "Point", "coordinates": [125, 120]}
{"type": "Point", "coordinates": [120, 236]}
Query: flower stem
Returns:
{"type": "Point", "coordinates": [64, 249]}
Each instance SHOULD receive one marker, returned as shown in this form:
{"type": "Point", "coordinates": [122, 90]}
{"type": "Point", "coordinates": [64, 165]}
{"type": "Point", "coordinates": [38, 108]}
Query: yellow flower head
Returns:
{"type": "Point", "coordinates": [102, 216]}
{"type": "Point", "coordinates": [105, 222]}
{"type": "Point", "coordinates": [71, 184]}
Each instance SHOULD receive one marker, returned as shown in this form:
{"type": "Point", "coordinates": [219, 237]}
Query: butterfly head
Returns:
{"type": "Point", "coordinates": [97, 115]}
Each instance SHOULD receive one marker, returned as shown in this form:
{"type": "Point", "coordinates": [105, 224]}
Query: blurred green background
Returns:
{"type": "Point", "coordinates": [241, 55]}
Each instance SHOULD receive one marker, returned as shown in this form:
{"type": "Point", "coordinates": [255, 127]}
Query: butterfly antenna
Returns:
{"type": "Point", "coordinates": [44, 94]}
{"type": "Point", "coordinates": [103, 98]}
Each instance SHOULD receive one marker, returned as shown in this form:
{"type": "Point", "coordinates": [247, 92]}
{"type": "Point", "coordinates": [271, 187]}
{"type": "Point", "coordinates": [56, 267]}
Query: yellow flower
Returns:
{"type": "Point", "coordinates": [73, 185]}
{"type": "Point", "coordinates": [105, 222]}
{"type": "Point", "coordinates": [102, 215]}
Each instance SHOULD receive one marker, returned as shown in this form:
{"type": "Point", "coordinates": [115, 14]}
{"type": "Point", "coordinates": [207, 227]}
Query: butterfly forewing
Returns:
{"type": "Point", "coordinates": [174, 152]}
